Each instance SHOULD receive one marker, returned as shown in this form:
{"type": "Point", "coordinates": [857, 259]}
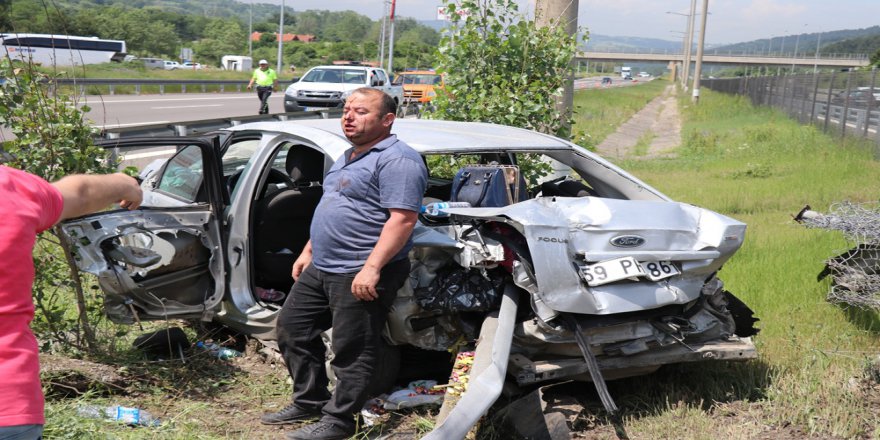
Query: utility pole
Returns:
{"type": "Point", "coordinates": [690, 43]}
{"type": "Point", "coordinates": [382, 34]}
{"type": "Point", "coordinates": [251, 31]}
{"type": "Point", "coordinates": [280, 37]}
{"type": "Point", "coordinates": [390, 68]}
{"type": "Point", "coordinates": [560, 13]}
{"type": "Point", "coordinates": [699, 64]}
{"type": "Point", "coordinates": [816, 62]}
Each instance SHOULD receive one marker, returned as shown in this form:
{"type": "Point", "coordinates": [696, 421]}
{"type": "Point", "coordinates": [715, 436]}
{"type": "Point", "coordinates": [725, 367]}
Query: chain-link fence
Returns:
{"type": "Point", "coordinates": [840, 103]}
{"type": "Point", "coordinates": [855, 273]}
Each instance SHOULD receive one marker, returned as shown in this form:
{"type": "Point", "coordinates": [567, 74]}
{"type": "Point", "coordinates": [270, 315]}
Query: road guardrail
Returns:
{"type": "Point", "coordinates": [196, 85]}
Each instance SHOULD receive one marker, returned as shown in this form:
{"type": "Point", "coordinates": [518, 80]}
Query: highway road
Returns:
{"type": "Point", "coordinates": [131, 110]}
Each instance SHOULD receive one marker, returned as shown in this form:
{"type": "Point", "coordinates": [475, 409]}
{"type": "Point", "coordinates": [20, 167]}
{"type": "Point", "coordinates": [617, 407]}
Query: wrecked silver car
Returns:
{"type": "Point", "coordinates": [580, 271]}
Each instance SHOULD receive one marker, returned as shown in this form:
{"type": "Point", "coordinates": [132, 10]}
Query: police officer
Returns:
{"type": "Point", "coordinates": [267, 81]}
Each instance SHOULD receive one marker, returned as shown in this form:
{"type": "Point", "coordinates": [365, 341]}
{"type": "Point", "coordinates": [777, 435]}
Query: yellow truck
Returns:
{"type": "Point", "coordinates": [419, 86]}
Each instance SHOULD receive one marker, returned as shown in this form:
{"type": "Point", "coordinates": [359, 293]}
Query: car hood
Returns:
{"type": "Point", "coordinates": [324, 86]}
{"type": "Point", "coordinates": [583, 230]}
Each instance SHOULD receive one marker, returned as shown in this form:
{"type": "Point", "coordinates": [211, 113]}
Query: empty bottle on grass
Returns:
{"type": "Point", "coordinates": [124, 414]}
{"type": "Point", "coordinates": [218, 351]}
{"type": "Point", "coordinates": [436, 209]}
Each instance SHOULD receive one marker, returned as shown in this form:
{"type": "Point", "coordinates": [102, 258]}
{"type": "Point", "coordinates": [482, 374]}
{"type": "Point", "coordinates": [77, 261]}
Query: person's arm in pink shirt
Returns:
{"type": "Point", "coordinates": [84, 194]}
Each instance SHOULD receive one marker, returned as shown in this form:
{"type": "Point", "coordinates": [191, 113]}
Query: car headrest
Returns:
{"type": "Point", "coordinates": [305, 165]}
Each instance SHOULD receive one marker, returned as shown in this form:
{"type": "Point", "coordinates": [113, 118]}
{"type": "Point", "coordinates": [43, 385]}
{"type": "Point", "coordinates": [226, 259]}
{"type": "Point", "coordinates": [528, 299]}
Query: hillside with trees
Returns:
{"type": "Point", "coordinates": [853, 41]}
{"type": "Point", "coordinates": [160, 28]}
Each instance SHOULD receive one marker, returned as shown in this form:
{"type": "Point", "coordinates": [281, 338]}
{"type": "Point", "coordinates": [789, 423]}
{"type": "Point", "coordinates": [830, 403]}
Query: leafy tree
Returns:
{"type": "Point", "coordinates": [221, 37]}
{"type": "Point", "coordinates": [875, 58]}
{"type": "Point", "coordinates": [51, 140]}
{"type": "Point", "coordinates": [502, 68]}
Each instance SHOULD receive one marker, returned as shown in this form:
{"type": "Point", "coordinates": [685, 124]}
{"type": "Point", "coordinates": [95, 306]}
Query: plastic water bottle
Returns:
{"type": "Point", "coordinates": [434, 209]}
{"type": "Point", "coordinates": [218, 351]}
{"type": "Point", "coordinates": [124, 414]}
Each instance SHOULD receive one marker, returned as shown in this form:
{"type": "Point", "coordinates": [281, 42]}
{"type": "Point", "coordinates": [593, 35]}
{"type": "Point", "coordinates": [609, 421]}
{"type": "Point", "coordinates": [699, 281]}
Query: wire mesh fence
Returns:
{"type": "Point", "coordinates": [839, 103]}
{"type": "Point", "coordinates": [855, 273]}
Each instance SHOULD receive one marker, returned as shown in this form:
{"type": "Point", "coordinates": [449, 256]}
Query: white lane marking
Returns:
{"type": "Point", "coordinates": [148, 154]}
{"type": "Point", "coordinates": [186, 106]}
{"type": "Point", "coordinates": [132, 123]}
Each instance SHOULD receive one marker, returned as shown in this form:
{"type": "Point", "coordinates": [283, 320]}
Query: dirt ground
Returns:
{"type": "Point", "coordinates": [659, 119]}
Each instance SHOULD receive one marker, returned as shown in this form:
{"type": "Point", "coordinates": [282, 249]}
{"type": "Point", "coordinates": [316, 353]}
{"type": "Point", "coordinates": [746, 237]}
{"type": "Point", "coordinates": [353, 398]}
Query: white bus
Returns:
{"type": "Point", "coordinates": [61, 50]}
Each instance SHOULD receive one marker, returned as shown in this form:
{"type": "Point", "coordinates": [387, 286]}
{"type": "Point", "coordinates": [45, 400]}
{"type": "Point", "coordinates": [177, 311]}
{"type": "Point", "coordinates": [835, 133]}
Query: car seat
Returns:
{"type": "Point", "coordinates": [283, 219]}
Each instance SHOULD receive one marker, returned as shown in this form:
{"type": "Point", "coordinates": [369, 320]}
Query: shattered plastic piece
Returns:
{"type": "Point", "coordinates": [462, 290]}
{"type": "Point", "coordinates": [373, 411]}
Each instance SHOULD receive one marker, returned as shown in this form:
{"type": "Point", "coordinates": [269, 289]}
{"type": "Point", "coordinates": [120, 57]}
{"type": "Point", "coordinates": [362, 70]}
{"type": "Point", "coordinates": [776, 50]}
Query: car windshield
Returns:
{"type": "Point", "coordinates": [426, 78]}
{"type": "Point", "coordinates": [347, 76]}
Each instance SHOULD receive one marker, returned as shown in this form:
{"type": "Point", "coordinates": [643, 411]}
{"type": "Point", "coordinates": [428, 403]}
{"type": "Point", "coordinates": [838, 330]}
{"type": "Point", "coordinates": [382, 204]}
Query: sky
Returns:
{"type": "Point", "coordinates": [731, 21]}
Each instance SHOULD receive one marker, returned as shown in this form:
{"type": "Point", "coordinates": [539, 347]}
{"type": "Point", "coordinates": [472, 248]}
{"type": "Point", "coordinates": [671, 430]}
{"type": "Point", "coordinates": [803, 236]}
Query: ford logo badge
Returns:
{"type": "Point", "coordinates": [627, 241]}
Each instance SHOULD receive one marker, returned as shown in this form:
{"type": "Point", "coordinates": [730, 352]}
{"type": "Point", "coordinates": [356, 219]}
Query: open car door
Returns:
{"type": "Point", "coordinates": [165, 260]}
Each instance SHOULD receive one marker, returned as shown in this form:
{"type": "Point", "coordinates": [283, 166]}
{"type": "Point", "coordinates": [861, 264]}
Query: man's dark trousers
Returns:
{"type": "Point", "coordinates": [263, 92]}
{"type": "Point", "coordinates": [317, 300]}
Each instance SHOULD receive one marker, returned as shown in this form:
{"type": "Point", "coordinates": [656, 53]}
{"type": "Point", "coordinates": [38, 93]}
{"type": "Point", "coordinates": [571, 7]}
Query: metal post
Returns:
{"type": "Point", "coordinates": [816, 62]}
{"type": "Point", "coordinates": [390, 68]}
{"type": "Point", "coordinates": [813, 100]}
{"type": "Point", "coordinates": [690, 43]}
{"type": "Point", "coordinates": [828, 102]}
{"type": "Point", "coordinates": [280, 37]}
{"type": "Point", "coordinates": [382, 34]}
{"type": "Point", "coordinates": [695, 97]}
{"type": "Point", "coordinates": [870, 107]}
{"type": "Point", "coordinates": [251, 31]}
{"type": "Point", "coordinates": [845, 115]}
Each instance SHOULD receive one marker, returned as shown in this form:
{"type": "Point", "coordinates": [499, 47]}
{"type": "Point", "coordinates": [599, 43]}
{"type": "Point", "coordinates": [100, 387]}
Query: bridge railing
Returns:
{"type": "Point", "coordinates": [751, 54]}
{"type": "Point", "coordinates": [839, 103]}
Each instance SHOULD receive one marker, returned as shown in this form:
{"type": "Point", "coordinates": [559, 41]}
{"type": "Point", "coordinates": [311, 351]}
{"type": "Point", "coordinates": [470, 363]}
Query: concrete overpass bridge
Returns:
{"type": "Point", "coordinates": [838, 60]}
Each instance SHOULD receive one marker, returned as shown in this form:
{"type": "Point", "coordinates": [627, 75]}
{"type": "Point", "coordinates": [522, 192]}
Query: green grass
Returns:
{"type": "Point", "coordinates": [756, 165]}
{"type": "Point", "coordinates": [599, 111]}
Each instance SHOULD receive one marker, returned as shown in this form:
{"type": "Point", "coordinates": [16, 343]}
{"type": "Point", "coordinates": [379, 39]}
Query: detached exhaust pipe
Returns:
{"type": "Point", "coordinates": [487, 375]}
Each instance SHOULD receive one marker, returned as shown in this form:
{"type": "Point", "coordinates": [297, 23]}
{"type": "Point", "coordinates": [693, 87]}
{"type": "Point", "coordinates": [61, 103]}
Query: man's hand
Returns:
{"type": "Point", "coordinates": [364, 285]}
{"type": "Point", "coordinates": [301, 263]}
{"type": "Point", "coordinates": [248, 86]}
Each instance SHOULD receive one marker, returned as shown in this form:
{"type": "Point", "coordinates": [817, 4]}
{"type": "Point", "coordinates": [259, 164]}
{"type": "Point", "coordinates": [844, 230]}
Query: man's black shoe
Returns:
{"type": "Point", "coordinates": [290, 414]}
{"type": "Point", "coordinates": [321, 431]}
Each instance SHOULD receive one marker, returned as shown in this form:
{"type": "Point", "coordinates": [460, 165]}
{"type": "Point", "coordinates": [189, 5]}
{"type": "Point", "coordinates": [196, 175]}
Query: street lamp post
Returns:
{"type": "Point", "coordinates": [280, 36]}
{"type": "Point", "coordinates": [816, 62]}
{"type": "Point", "coordinates": [680, 72]}
{"type": "Point", "coordinates": [797, 40]}
{"type": "Point", "coordinates": [699, 63]}
{"type": "Point", "coordinates": [382, 34]}
{"type": "Point", "coordinates": [686, 45]}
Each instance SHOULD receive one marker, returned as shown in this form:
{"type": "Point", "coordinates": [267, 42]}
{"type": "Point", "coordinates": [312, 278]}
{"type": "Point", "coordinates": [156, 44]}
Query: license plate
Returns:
{"type": "Point", "coordinates": [658, 270]}
{"type": "Point", "coordinates": [312, 109]}
{"type": "Point", "coordinates": [609, 271]}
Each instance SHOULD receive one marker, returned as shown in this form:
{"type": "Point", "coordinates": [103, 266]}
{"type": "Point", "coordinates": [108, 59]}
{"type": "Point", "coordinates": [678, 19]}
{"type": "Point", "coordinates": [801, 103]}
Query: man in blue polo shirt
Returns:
{"type": "Point", "coordinates": [349, 272]}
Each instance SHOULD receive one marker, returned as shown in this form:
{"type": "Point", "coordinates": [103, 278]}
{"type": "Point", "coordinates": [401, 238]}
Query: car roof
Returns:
{"type": "Point", "coordinates": [429, 135]}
